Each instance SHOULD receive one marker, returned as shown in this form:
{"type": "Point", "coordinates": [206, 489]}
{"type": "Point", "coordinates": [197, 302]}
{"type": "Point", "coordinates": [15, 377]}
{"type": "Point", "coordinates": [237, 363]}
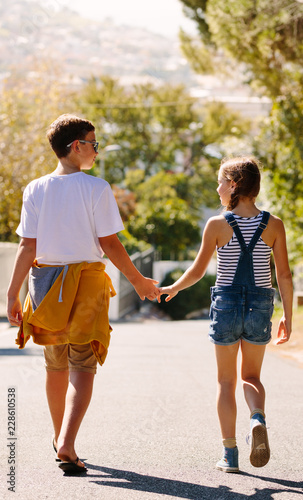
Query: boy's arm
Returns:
{"type": "Point", "coordinates": [117, 254]}
{"type": "Point", "coordinates": [284, 279]}
{"type": "Point", "coordinates": [25, 257]}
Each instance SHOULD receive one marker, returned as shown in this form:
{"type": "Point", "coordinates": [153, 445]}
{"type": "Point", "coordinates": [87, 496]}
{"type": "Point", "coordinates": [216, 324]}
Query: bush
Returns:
{"type": "Point", "coordinates": [192, 299]}
{"type": "Point", "coordinates": [131, 244]}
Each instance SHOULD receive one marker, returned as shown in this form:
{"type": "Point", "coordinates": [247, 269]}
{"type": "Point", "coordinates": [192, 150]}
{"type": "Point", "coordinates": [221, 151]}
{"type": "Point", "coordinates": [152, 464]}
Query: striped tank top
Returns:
{"type": "Point", "coordinates": [228, 255]}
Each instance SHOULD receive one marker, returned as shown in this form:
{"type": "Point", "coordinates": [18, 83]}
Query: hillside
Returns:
{"type": "Point", "coordinates": [31, 31]}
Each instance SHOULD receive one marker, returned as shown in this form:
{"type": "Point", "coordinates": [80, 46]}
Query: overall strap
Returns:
{"type": "Point", "coordinates": [234, 225]}
{"type": "Point", "coordinates": [262, 226]}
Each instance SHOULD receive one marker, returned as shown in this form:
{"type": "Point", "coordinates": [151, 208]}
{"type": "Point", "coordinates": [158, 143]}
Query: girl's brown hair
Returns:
{"type": "Point", "coordinates": [245, 172]}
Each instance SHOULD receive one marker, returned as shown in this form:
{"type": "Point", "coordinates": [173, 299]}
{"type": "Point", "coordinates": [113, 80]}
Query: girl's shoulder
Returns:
{"type": "Point", "coordinates": [275, 230]}
{"type": "Point", "coordinates": [275, 222]}
{"type": "Point", "coordinates": [218, 225]}
{"type": "Point", "coordinates": [216, 221]}
{"type": "Point", "coordinates": [218, 230]}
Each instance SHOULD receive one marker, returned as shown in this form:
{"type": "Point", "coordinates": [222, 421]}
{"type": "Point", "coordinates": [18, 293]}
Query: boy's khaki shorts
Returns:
{"type": "Point", "coordinates": [72, 357]}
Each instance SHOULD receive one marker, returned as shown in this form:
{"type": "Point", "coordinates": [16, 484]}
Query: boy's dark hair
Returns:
{"type": "Point", "coordinates": [66, 129]}
{"type": "Point", "coordinates": [245, 172]}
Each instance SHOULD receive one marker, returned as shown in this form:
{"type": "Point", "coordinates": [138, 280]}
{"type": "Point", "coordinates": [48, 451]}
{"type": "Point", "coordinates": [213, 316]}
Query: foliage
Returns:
{"type": "Point", "coordinates": [165, 216]}
{"type": "Point", "coordinates": [266, 36]}
{"type": "Point", "coordinates": [148, 123]}
{"type": "Point", "coordinates": [164, 158]}
{"type": "Point", "coordinates": [151, 125]}
{"type": "Point", "coordinates": [192, 299]}
{"type": "Point", "coordinates": [264, 41]}
{"type": "Point", "coordinates": [131, 244]}
{"type": "Point", "coordinates": [280, 147]}
{"type": "Point", "coordinates": [160, 130]}
{"type": "Point", "coordinates": [27, 107]}
{"type": "Point", "coordinates": [125, 200]}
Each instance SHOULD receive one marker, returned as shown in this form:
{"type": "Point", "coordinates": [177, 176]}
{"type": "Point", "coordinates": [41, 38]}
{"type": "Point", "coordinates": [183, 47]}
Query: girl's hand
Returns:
{"type": "Point", "coordinates": [167, 290]}
{"type": "Point", "coordinates": [284, 331]}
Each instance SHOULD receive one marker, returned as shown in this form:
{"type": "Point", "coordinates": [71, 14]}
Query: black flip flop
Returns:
{"type": "Point", "coordinates": [57, 459]}
{"type": "Point", "coordinates": [72, 467]}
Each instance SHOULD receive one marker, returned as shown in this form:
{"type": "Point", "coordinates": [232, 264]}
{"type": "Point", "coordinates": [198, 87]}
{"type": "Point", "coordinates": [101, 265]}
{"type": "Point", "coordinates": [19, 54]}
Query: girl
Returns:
{"type": "Point", "coordinates": [242, 300]}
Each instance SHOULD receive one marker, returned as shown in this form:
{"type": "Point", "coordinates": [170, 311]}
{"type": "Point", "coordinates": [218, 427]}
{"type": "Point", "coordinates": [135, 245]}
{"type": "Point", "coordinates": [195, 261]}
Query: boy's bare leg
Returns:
{"type": "Point", "coordinates": [78, 397]}
{"type": "Point", "coordinates": [56, 388]}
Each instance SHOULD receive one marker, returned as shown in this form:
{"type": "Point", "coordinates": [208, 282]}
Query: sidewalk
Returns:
{"type": "Point", "coordinates": [151, 431]}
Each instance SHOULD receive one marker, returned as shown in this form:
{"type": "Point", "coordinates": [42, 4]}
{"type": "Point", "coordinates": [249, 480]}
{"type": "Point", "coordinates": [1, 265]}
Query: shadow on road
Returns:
{"type": "Point", "coordinates": [14, 351]}
{"type": "Point", "coordinates": [116, 478]}
{"type": "Point", "coordinates": [282, 482]}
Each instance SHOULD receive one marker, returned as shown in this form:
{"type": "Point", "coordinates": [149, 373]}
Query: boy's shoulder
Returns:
{"type": "Point", "coordinates": [79, 177]}
{"type": "Point", "coordinates": [36, 182]}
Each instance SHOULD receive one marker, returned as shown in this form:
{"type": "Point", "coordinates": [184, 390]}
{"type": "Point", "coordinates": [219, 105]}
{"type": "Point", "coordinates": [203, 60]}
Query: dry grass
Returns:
{"type": "Point", "coordinates": [293, 349]}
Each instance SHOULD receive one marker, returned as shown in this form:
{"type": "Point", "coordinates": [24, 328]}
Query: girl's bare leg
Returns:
{"type": "Point", "coordinates": [227, 380]}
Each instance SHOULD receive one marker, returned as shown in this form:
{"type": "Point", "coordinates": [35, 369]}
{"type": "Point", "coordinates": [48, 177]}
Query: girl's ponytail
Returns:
{"type": "Point", "coordinates": [244, 171]}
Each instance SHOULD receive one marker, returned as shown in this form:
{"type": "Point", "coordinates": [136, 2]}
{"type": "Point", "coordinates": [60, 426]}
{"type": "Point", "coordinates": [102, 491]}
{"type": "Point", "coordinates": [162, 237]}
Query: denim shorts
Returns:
{"type": "Point", "coordinates": [241, 312]}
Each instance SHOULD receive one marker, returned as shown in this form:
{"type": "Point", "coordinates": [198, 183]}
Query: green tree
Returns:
{"type": "Point", "coordinates": [264, 41]}
{"type": "Point", "coordinates": [267, 37]}
{"type": "Point", "coordinates": [152, 124]}
{"type": "Point", "coordinates": [280, 148]}
{"type": "Point", "coordinates": [148, 123]}
{"type": "Point", "coordinates": [165, 216]}
{"type": "Point", "coordinates": [27, 107]}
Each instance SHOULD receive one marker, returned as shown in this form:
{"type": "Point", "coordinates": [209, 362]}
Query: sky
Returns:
{"type": "Point", "coordinates": [160, 16]}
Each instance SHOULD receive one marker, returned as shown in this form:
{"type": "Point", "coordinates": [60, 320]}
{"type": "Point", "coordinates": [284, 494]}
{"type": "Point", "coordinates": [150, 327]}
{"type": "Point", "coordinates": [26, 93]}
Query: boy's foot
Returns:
{"type": "Point", "coordinates": [64, 454]}
{"type": "Point", "coordinates": [55, 450]}
{"type": "Point", "coordinates": [229, 462]}
{"type": "Point", "coordinates": [73, 467]}
{"type": "Point", "coordinates": [260, 452]}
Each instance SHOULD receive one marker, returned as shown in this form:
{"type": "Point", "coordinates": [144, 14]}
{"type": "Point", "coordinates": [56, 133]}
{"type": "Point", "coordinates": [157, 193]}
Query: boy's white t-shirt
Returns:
{"type": "Point", "coordinates": [67, 214]}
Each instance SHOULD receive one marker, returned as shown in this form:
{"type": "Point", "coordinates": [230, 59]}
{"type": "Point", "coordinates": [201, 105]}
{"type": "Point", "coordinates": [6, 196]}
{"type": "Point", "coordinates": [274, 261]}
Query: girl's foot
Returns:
{"type": "Point", "coordinates": [260, 452]}
{"type": "Point", "coordinates": [230, 461]}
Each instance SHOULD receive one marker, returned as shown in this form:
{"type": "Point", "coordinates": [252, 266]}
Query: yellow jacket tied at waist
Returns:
{"type": "Point", "coordinates": [74, 310]}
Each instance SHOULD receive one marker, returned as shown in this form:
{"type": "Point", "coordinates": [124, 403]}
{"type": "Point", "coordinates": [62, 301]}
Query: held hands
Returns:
{"type": "Point", "coordinates": [284, 331]}
{"type": "Point", "coordinates": [167, 290]}
{"type": "Point", "coordinates": [146, 289]}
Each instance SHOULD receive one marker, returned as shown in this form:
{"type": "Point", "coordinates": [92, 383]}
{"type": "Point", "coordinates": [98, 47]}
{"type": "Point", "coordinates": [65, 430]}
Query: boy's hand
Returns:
{"type": "Point", "coordinates": [167, 290]}
{"type": "Point", "coordinates": [284, 331]}
{"type": "Point", "coordinates": [146, 289]}
{"type": "Point", "coordinates": [14, 311]}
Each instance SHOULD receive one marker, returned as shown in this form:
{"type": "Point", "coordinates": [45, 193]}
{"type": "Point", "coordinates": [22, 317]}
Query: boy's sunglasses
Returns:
{"type": "Point", "coordinates": [94, 143]}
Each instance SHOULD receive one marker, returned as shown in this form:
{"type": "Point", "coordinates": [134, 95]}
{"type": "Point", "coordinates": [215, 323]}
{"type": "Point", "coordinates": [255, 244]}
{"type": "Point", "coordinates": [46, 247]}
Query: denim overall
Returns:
{"type": "Point", "coordinates": [242, 310]}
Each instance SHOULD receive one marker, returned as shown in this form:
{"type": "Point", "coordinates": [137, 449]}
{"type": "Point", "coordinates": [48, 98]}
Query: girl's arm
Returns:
{"type": "Point", "coordinates": [198, 268]}
{"type": "Point", "coordinates": [284, 279]}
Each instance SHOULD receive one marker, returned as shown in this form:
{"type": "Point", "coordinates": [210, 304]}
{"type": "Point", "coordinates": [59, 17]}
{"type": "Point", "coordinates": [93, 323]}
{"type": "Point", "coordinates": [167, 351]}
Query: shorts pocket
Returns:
{"type": "Point", "coordinates": [223, 320]}
{"type": "Point", "coordinates": [259, 319]}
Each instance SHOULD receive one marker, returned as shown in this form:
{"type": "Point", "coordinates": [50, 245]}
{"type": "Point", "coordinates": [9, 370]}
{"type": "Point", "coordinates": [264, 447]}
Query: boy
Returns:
{"type": "Point", "coordinates": [68, 221]}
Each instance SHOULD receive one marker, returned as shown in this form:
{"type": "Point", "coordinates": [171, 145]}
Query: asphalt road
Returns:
{"type": "Point", "coordinates": [151, 431]}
